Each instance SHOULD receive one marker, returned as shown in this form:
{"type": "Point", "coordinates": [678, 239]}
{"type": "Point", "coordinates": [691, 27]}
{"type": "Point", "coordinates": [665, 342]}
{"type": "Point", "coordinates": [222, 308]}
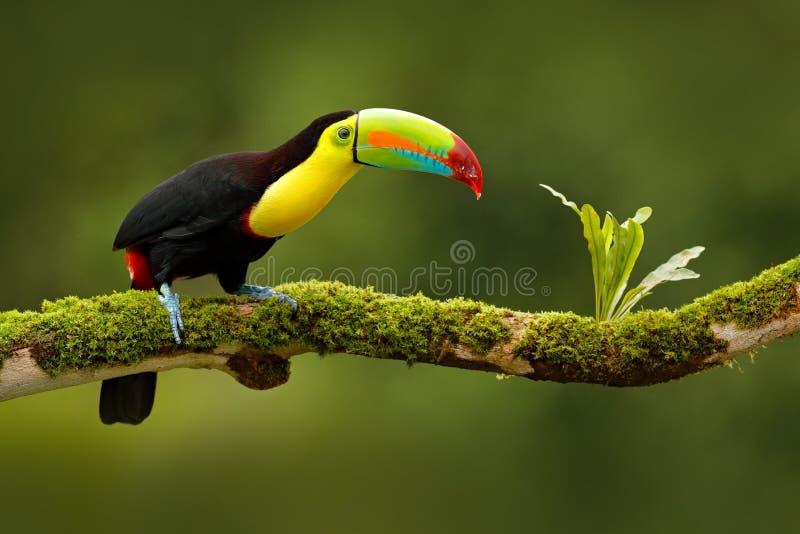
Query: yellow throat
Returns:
{"type": "Point", "coordinates": [300, 194]}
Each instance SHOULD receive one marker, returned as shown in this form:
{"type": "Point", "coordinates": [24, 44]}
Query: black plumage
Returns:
{"type": "Point", "coordinates": [127, 399]}
{"type": "Point", "coordinates": [195, 224]}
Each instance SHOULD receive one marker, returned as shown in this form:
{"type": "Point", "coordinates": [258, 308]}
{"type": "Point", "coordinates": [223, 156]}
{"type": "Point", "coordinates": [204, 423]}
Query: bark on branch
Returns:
{"type": "Point", "coordinates": [74, 341]}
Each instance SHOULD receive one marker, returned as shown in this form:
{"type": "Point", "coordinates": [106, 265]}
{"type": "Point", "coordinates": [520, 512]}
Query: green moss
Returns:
{"type": "Point", "coordinates": [12, 324]}
{"type": "Point", "coordinates": [657, 343]}
{"type": "Point", "coordinates": [334, 317]}
{"type": "Point", "coordinates": [485, 330]}
{"type": "Point", "coordinates": [124, 327]}
{"type": "Point", "coordinates": [768, 296]}
{"type": "Point", "coordinates": [648, 343]}
{"type": "Point", "coordinates": [562, 338]}
{"type": "Point", "coordinates": [663, 337]}
{"type": "Point", "coordinates": [75, 333]}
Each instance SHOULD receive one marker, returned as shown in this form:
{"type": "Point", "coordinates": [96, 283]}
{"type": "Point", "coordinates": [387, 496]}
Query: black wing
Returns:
{"type": "Point", "coordinates": [199, 198]}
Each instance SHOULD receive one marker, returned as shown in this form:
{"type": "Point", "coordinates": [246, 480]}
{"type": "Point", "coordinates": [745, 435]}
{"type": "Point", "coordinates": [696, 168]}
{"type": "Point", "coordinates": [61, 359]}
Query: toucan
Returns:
{"type": "Point", "coordinates": [221, 213]}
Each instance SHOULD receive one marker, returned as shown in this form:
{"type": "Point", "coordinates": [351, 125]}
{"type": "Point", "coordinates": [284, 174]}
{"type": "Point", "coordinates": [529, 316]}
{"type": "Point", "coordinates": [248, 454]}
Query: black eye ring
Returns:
{"type": "Point", "coordinates": [343, 133]}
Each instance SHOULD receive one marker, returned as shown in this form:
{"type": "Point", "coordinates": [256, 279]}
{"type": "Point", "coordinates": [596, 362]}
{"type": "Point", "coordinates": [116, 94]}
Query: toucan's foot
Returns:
{"type": "Point", "coordinates": [266, 292]}
{"type": "Point", "coordinates": [171, 301]}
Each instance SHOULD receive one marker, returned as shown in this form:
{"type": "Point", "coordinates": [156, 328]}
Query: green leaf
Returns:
{"type": "Point", "coordinates": [673, 269]}
{"type": "Point", "coordinates": [594, 237]}
{"type": "Point", "coordinates": [608, 230]}
{"type": "Point", "coordinates": [564, 200]}
{"type": "Point", "coordinates": [614, 249]}
{"type": "Point", "coordinates": [625, 249]}
{"type": "Point", "coordinates": [670, 271]}
{"type": "Point", "coordinates": [612, 229]}
{"type": "Point", "coordinates": [631, 298]}
{"type": "Point", "coordinates": [642, 214]}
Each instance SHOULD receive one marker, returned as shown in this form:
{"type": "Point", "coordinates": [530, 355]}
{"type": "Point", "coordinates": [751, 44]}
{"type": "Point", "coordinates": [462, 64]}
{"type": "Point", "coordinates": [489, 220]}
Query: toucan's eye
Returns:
{"type": "Point", "coordinates": [343, 133]}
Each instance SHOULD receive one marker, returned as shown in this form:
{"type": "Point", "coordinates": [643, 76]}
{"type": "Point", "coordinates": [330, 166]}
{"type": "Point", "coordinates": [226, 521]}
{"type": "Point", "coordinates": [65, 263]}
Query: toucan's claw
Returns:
{"type": "Point", "coordinates": [266, 292]}
{"type": "Point", "coordinates": [179, 318]}
{"type": "Point", "coordinates": [171, 301]}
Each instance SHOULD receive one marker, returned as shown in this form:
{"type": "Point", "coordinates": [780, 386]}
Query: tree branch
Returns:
{"type": "Point", "coordinates": [74, 341]}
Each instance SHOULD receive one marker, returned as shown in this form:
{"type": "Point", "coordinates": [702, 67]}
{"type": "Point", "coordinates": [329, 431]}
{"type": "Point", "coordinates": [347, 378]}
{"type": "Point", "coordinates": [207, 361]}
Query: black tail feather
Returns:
{"type": "Point", "coordinates": [127, 399]}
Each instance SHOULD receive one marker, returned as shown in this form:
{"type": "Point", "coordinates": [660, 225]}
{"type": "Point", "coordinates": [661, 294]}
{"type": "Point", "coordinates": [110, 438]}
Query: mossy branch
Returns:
{"type": "Point", "coordinates": [74, 341]}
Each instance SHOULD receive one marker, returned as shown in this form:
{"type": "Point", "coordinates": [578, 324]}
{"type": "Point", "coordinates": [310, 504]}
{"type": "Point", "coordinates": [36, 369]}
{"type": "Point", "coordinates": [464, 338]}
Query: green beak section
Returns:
{"type": "Point", "coordinates": [394, 139]}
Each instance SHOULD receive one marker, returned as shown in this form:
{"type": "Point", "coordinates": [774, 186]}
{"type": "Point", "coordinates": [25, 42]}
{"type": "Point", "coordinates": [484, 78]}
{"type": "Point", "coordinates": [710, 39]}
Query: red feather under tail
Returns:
{"type": "Point", "coordinates": [139, 267]}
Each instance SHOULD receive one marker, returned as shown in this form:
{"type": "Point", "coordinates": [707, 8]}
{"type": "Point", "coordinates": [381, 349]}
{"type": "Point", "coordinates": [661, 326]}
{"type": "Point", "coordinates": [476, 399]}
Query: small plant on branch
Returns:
{"type": "Point", "coordinates": [614, 248]}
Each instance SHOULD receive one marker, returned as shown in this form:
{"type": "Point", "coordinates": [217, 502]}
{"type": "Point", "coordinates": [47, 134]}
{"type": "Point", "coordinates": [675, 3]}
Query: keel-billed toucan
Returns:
{"type": "Point", "coordinates": [222, 213]}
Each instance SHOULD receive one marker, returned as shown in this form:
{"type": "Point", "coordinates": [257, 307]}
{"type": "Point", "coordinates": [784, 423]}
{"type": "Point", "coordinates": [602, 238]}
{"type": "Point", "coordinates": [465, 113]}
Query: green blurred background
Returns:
{"type": "Point", "coordinates": [689, 107]}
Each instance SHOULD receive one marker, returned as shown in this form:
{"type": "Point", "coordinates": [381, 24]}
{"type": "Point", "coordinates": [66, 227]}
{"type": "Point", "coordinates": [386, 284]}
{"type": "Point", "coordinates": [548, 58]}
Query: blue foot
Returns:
{"type": "Point", "coordinates": [266, 292]}
{"type": "Point", "coordinates": [171, 301]}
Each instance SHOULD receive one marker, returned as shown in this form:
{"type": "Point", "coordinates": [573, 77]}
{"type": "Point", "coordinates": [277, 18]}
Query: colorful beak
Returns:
{"type": "Point", "coordinates": [393, 139]}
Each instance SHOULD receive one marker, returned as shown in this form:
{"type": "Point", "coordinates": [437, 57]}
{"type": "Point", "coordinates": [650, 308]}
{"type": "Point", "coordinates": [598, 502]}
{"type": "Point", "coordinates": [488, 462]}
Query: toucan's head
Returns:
{"type": "Point", "coordinates": [394, 139]}
{"type": "Point", "coordinates": [308, 170]}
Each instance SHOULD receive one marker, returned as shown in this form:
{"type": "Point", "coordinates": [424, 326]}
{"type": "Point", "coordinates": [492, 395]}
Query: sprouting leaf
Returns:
{"type": "Point", "coordinates": [608, 230]}
{"type": "Point", "coordinates": [564, 200]}
{"type": "Point", "coordinates": [631, 298]}
{"type": "Point", "coordinates": [594, 237]}
{"type": "Point", "coordinates": [642, 214]}
{"type": "Point", "coordinates": [625, 250]}
{"type": "Point", "coordinates": [670, 271]}
{"type": "Point", "coordinates": [614, 249]}
{"type": "Point", "coordinates": [673, 269]}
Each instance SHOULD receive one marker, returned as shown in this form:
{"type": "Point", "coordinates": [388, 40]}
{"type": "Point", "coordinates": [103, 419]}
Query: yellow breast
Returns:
{"type": "Point", "coordinates": [300, 194]}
